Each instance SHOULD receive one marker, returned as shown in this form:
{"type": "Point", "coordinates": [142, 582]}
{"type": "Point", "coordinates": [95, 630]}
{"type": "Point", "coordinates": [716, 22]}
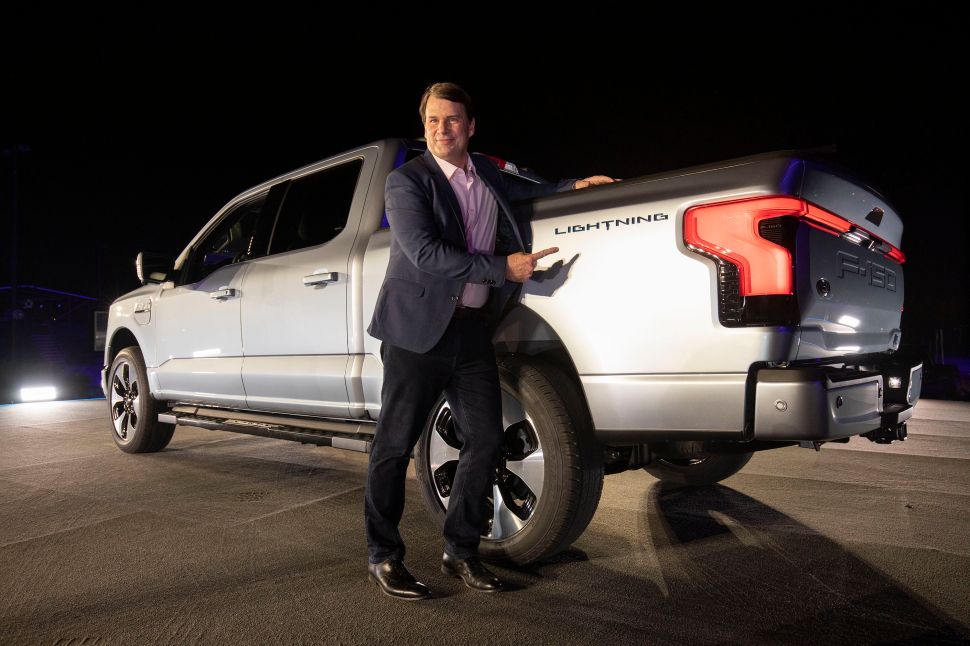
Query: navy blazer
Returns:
{"type": "Point", "coordinates": [429, 260]}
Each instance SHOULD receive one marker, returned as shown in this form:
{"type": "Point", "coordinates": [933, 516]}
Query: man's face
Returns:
{"type": "Point", "coordinates": [447, 129]}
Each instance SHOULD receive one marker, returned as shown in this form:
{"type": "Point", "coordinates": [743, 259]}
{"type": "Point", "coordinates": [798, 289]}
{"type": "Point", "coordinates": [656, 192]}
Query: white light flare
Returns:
{"type": "Point", "coordinates": [38, 393]}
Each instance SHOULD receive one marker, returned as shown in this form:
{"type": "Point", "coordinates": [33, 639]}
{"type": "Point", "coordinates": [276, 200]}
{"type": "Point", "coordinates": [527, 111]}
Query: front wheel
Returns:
{"type": "Point", "coordinates": [133, 412]}
{"type": "Point", "coordinates": [549, 475]}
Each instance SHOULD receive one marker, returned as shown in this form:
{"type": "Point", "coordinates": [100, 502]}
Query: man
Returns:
{"type": "Point", "coordinates": [454, 244]}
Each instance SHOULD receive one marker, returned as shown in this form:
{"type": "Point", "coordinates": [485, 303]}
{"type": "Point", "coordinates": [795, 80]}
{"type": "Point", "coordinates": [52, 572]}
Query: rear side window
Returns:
{"type": "Point", "coordinates": [316, 207]}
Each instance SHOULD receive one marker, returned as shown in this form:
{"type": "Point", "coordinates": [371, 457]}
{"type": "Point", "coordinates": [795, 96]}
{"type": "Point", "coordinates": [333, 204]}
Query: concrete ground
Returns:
{"type": "Point", "coordinates": [232, 539]}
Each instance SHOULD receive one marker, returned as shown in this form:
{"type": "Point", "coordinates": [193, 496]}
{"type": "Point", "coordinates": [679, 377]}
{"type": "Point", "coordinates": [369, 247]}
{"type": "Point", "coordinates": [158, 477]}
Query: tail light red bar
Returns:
{"type": "Point", "coordinates": [730, 232]}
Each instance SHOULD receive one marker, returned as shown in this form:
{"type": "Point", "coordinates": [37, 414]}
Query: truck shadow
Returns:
{"type": "Point", "coordinates": [715, 565]}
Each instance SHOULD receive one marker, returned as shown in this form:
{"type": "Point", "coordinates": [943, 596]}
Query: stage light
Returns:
{"type": "Point", "coordinates": [38, 393]}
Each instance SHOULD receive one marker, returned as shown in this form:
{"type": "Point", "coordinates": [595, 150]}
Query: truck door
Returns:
{"type": "Point", "coordinates": [295, 313]}
{"type": "Point", "coordinates": [199, 345]}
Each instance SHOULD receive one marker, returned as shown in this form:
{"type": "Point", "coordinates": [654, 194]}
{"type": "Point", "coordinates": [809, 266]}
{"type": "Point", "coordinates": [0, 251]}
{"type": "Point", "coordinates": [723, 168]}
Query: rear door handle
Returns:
{"type": "Point", "coordinates": [321, 278]}
{"type": "Point", "coordinates": [223, 294]}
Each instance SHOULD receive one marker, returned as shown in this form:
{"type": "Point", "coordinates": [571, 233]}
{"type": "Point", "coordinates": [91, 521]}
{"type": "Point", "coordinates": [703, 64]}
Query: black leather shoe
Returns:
{"type": "Point", "coordinates": [472, 572]}
{"type": "Point", "coordinates": [395, 581]}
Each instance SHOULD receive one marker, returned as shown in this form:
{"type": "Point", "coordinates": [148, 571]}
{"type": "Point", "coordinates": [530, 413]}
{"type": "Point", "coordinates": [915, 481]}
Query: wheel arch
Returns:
{"type": "Point", "coordinates": [524, 332]}
{"type": "Point", "coordinates": [121, 338]}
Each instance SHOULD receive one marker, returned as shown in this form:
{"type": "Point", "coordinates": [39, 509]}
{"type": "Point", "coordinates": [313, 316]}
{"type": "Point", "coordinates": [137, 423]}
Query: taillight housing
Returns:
{"type": "Point", "coordinates": [752, 241]}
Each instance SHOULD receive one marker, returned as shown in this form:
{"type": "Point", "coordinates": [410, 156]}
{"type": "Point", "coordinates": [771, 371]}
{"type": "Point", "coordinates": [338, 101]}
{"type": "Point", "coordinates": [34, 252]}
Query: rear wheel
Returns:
{"type": "Point", "coordinates": [550, 473]}
{"type": "Point", "coordinates": [697, 471]}
{"type": "Point", "coordinates": [133, 412]}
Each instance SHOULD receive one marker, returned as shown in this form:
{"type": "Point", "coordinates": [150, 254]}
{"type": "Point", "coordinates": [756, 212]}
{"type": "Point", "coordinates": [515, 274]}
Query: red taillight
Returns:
{"type": "Point", "coordinates": [823, 219]}
{"type": "Point", "coordinates": [752, 241]}
{"type": "Point", "coordinates": [896, 255]}
{"type": "Point", "coordinates": [729, 230]}
{"type": "Point", "coordinates": [501, 163]}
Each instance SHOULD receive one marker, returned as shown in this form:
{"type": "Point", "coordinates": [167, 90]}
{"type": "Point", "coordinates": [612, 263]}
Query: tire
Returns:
{"type": "Point", "coordinates": [132, 410]}
{"type": "Point", "coordinates": [550, 475]}
{"type": "Point", "coordinates": [698, 471]}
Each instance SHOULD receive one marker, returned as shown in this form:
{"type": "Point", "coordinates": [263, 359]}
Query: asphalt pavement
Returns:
{"type": "Point", "coordinates": [234, 539]}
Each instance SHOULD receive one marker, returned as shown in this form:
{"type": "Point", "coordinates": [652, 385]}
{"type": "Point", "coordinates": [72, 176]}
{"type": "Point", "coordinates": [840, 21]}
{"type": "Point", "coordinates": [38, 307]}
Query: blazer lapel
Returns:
{"type": "Point", "coordinates": [444, 189]}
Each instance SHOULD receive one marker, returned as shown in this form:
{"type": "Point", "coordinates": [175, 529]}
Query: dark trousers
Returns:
{"type": "Point", "coordinates": [462, 365]}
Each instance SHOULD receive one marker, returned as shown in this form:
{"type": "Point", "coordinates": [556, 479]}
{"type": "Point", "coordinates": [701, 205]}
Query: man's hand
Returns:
{"type": "Point", "coordinates": [594, 180]}
{"type": "Point", "coordinates": [519, 266]}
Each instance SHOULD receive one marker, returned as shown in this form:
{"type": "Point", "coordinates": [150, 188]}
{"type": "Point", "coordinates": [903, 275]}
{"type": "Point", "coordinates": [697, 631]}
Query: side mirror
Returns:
{"type": "Point", "coordinates": [152, 267]}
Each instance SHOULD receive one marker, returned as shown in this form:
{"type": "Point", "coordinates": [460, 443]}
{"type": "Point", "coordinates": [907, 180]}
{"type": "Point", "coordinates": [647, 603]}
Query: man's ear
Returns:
{"type": "Point", "coordinates": [471, 128]}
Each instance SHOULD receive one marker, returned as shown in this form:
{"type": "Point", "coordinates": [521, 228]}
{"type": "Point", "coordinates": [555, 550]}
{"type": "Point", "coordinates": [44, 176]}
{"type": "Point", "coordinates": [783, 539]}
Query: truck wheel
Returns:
{"type": "Point", "coordinates": [698, 471]}
{"type": "Point", "coordinates": [550, 473]}
{"type": "Point", "coordinates": [133, 412]}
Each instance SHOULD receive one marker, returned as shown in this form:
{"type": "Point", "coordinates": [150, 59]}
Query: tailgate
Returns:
{"type": "Point", "coordinates": [849, 291]}
{"type": "Point", "coordinates": [860, 205]}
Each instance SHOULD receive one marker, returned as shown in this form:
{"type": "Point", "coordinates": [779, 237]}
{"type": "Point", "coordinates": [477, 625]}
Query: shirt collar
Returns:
{"type": "Point", "coordinates": [449, 169]}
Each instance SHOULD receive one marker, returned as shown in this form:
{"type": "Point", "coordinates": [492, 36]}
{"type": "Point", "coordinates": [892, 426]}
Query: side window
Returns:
{"type": "Point", "coordinates": [232, 240]}
{"type": "Point", "coordinates": [316, 207]}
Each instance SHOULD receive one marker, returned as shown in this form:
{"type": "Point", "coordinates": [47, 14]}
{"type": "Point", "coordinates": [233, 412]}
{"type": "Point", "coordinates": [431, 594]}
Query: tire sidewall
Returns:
{"type": "Point", "coordinates": [139, 436]}
{"type": "Point", "coordinates": [546, 516]}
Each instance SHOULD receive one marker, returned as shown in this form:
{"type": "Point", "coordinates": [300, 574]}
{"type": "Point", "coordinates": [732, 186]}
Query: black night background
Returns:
{"type": "Point", "coordinates": [125, 128]}
{"type": "Point", "coordinates": [96, 167]}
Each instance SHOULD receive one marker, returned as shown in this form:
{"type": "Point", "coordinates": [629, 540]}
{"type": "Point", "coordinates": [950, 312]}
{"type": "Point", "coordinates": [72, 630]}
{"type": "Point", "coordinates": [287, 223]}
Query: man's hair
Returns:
{"type": "Point", "coordinates": [449, 92]}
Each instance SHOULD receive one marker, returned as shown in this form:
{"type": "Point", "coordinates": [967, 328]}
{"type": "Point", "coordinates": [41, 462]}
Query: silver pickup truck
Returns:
{"type": "Point", "coordinates": [692, 318]}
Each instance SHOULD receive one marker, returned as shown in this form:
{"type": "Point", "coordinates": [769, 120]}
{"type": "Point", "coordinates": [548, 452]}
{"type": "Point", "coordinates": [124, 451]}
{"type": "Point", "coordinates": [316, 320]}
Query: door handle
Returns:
{"type": "Point", "coordinates": [223, 294]}
{"type": "Point", "coordinates": [321, 278]}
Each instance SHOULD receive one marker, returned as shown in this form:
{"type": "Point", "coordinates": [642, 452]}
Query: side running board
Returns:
{"type": "Point", "coordinates": [340, 434]}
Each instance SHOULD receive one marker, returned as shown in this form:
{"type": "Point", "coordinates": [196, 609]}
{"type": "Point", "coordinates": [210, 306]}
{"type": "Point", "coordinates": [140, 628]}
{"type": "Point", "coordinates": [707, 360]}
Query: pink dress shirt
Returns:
{"type": "Point", "coordinates": [479, 210]}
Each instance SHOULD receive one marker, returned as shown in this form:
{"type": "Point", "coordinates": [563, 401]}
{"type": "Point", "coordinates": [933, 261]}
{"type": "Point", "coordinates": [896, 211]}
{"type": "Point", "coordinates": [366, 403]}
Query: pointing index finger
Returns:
{"type": "Point", "coordinates": [545, 252]}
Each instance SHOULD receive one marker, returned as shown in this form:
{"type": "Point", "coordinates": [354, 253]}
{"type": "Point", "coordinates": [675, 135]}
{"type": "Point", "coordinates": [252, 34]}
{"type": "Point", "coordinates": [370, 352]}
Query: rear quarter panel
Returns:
{"type": "Point", "coordinates": [625, 294]}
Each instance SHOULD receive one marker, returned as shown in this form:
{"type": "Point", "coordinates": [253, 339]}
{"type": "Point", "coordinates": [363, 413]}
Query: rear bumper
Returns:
{"type": "Point", "coordinates": [818, 403]}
